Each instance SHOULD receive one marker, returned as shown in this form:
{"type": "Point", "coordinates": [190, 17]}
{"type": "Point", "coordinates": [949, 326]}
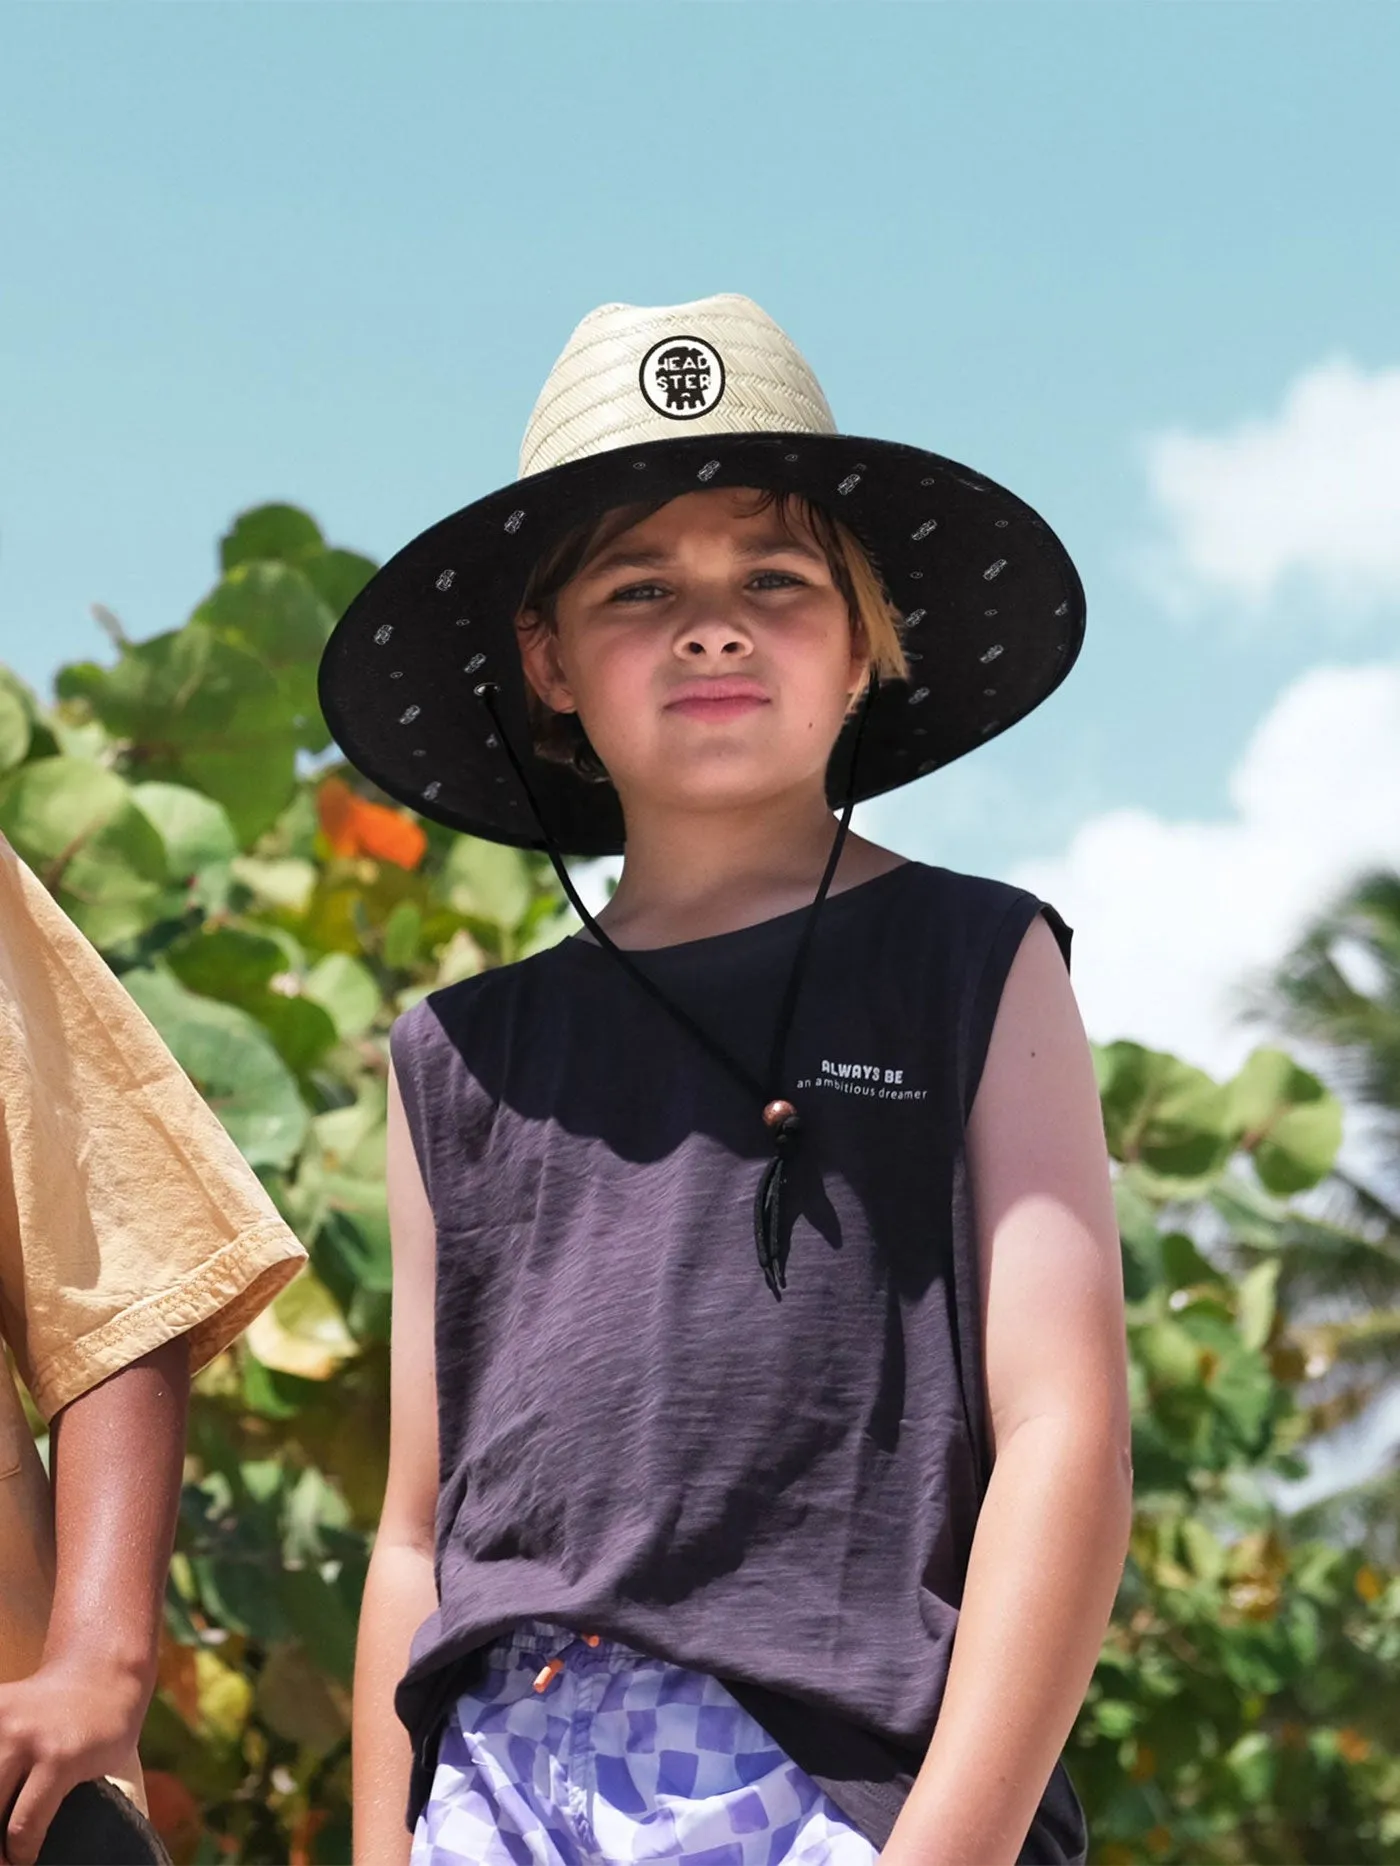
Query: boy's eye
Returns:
{"type": "Point", "coordinates": [634, 592]}
{"type": "Point", "coordinates": [646, 592]}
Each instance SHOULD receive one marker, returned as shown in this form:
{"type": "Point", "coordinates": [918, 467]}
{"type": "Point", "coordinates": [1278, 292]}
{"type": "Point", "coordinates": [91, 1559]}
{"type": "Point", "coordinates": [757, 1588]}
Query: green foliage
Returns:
{"type": "Point", "coordinates": [169, 802]}
{"type": "Point", "coordinates": [1338, 991]}
{"type": "Point", "coordinates": [1245, 1707]}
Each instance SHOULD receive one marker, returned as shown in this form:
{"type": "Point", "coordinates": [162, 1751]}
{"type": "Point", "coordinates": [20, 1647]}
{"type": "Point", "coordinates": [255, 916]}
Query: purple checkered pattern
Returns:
{"type": "Point", "coordinates": [622, 1757]}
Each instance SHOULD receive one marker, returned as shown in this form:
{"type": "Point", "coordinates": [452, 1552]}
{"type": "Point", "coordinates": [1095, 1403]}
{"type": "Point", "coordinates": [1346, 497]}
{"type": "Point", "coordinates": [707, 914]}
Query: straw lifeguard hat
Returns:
{"type": "Point", "coordinates": [647, 403]}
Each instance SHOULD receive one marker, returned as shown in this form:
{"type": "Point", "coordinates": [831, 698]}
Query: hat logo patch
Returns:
{"type": "Point", "coordinates": [682, 377]}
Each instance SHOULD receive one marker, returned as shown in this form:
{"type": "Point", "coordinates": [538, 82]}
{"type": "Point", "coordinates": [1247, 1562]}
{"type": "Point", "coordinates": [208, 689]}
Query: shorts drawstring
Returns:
{"type": "Point", "coordinates": [553, 1665]}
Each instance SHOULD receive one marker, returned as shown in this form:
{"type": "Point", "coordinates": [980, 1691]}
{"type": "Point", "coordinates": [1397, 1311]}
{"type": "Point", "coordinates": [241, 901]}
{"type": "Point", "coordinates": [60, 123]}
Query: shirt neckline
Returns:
{"type": "Point", "coordinates": [756, 929]}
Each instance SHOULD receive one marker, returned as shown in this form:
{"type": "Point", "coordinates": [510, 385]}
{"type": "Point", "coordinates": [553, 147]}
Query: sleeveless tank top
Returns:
{"type": "Point", "coordinates": [635, 1437]}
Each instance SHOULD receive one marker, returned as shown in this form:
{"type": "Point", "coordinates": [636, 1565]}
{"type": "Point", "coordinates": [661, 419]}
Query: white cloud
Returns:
{"type": "Point", "coordinates": [1312, 491]}
{"type": "Point", "coordinates": [1169, 916]}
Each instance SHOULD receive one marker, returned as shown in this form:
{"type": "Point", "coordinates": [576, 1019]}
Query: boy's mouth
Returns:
{"type": "Point", "coordinates": [716, 697]}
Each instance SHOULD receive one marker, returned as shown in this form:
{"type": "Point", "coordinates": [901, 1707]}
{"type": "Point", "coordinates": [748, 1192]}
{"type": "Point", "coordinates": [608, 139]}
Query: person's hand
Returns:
{"type": "Point", "coordinates": [67, 1722]}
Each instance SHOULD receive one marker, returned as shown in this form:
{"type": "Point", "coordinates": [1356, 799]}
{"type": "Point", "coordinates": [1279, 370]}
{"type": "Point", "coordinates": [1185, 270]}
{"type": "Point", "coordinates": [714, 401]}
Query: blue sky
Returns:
{"type": "Point", "coordinates": [327, 253]}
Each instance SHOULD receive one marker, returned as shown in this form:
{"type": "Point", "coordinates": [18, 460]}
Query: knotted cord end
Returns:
{"type": "Point", "coordinates": [785, 1124]}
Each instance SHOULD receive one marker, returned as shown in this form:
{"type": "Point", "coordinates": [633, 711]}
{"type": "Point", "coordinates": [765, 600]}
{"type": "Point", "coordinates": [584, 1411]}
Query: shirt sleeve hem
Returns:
{"type": "Point", "coordinates": [212, 1305]}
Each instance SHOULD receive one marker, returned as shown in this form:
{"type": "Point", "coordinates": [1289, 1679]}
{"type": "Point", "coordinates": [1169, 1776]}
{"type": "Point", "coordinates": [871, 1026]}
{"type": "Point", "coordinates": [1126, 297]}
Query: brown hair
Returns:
{"type": "Point", "coordinates": [561, 738]}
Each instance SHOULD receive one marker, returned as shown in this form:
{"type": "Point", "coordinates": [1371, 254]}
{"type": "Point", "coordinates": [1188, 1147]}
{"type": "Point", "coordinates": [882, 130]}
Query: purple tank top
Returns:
{"type": "Point", "coordinates": [635, 1437]}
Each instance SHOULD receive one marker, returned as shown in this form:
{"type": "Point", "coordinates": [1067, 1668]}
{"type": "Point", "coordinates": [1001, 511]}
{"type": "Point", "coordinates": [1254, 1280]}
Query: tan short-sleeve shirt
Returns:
{"type": "Point", "coordinates": [127, 1215]}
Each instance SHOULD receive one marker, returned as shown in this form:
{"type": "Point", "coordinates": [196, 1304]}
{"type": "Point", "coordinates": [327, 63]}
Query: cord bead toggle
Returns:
{"type": "Point", "coordinates": [779, 1114]}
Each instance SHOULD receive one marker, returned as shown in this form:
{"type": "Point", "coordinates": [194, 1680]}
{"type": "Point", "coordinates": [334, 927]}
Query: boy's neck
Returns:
{"type": "Point", "coordinates": [688, 877]}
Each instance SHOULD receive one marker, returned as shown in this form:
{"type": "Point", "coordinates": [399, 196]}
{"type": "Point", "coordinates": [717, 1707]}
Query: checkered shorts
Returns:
{"type": "Point", "coordinates": [619, 1757]}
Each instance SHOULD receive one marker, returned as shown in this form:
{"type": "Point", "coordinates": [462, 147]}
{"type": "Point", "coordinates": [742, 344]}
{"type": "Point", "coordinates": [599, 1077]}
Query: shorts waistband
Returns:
{"type": "Point", "coordinates": [541, 1639]}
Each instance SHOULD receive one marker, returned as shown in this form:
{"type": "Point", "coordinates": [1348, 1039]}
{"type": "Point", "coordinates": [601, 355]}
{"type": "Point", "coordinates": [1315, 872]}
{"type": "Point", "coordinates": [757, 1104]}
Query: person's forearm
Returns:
{"type": "Point", "coordinates": [400, 1593]}
{"type": "Point", "coordinates": [1046, 1561]}
{"type": "Point", "coordinates": [116, 1462]}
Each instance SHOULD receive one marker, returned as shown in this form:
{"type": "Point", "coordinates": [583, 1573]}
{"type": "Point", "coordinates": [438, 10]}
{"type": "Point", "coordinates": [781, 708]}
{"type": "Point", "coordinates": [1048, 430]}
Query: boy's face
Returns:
{"type": "Point", "coordinates": [707, 651]}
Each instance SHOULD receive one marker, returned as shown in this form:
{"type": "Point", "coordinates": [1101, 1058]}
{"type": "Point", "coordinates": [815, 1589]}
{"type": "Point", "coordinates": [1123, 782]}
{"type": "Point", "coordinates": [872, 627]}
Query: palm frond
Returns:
{"type": "Point", "coordinates": [1319, 995]}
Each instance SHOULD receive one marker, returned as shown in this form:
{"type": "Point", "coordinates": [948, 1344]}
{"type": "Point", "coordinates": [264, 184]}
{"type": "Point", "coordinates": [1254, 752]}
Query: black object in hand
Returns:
{"type": "Point", "coordinates": [97, 1825]}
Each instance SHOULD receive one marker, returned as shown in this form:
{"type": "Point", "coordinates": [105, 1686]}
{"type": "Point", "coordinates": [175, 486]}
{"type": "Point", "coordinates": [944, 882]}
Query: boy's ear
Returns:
{"type": "Point", "coordinates": [539, 657]}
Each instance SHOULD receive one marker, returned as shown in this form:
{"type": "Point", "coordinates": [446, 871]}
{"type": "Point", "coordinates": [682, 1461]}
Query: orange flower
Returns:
{"type": "Point", "coordinates": [178, 1677]}
{"type": "Point", "coordinates": [1369, 1584]}
{"type": "Point", "coordinates": [304, 1833]}
{"type": "Point", "coordinates": [1144, 1764]}
{"type": "Point", "coordinates": [355, 826]}
{"type": "Point", "coordinates": [1352, 1744]}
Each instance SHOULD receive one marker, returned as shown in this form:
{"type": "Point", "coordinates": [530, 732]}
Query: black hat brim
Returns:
{"type": "Point", "coordinates": [94, 1822]}
{"type": "Point", "coordinates": [993, 608]}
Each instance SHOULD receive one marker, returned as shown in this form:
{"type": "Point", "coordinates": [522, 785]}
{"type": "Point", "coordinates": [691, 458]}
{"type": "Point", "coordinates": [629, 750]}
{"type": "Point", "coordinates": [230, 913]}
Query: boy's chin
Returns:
{"type": "Point", "coordinates": [716, 792]}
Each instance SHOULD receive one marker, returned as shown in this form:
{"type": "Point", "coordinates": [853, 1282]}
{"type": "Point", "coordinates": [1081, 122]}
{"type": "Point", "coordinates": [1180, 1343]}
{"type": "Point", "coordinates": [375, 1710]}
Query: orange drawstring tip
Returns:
{"type": "Point", "coordinates": [591, 1639]}
{"type": "Point", "coordinates": [547, 1672]}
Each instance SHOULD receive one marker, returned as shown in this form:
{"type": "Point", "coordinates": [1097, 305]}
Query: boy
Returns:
{"type": "Point", "coordinates": [738, 1238]}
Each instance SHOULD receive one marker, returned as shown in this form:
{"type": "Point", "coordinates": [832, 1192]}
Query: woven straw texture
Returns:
{"type": "Point", "coordinates": [591, 401]}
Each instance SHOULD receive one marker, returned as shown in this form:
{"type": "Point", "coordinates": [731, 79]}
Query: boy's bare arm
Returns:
{"type": "Point", "coordinates": [400, 1593]}
{"type": "Point", "coordinates": [400, 1590]}
{"type": "Point", "coordinates": [1053, 1530]}
{"type": "Point", "coordinates": [117, 1454]}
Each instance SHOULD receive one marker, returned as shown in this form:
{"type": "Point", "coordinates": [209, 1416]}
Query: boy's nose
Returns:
{"type": "Point", "coordinates": [717, 638]}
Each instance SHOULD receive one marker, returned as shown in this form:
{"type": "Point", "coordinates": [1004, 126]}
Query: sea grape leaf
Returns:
{"type": "Point", "coordinates": [75, 822]}
{"type": "Point", "coordinates": [1256, 1299]}
{"type": "Point", "coordinates": [346, 989]}
{"type": "Point", "coordinates": [195, 829]}
{"type": "Point", "coordinates": [117, 882]}
{"type": "Point", "coordinates": [1301, 1145]}
{"type": "Point", "coordinates": [487, 880]}
{"type": "Point", "coordinates": [280, 533]}
{"type": "Point", "coordinates": [48, 807]}
{"type": "Point", "coordinates": [337, 577]}
{"type": "Point", "coordinates": [1141, 1240]}
{"type": "Point", "coordinates": [15, 728]}
{"type": "Point", "coordinates": [401, 935]}
{"type": "Point", "coordinates": [197, 709]}
{"type": "Point", "coordinates": [295, 1699]}
{"type": "Point", "coordinates": [272, 612]}
{"type": "Point", "coordinates": [1162, 1112]}
{"type": "Point", "coordinates": [257, 972]}
{"type": "Point", "coordinates": [233, 1064]}
{"type": "Point", "coordinates": [303, 1331]}
{"type": "Point", "coordinates": [1287, 1119]}
{"type": "Point", "coordinates": [1183, 1266]}
{"type": "Point", "coordinates": [302, 1031]}
{"type": "Point", "coordinates": [225, 1695]}
{"type": "Point", "coordinates": [169, 691]}
{"type": "Point", "coordinates": [226, 962]}
{"type": "Point", "coordinates": [279, 881]}
{"type": "Point", "coordinates": [325, 1613]}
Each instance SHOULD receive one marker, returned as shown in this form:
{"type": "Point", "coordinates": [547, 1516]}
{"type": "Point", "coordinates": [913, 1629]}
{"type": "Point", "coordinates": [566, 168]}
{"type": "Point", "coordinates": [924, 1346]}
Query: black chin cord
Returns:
{"type": "Point", "coordinates": [778, 1114]}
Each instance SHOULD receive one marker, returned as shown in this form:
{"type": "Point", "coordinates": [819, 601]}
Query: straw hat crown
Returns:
{"type": "Point", "coordinates": [632, 374]}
